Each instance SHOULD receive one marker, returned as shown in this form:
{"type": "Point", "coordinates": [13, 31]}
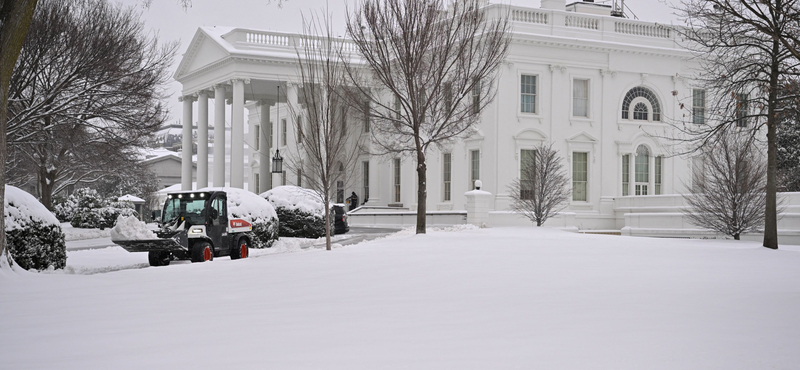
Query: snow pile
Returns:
{"type": "Point", "coordinates": [22, 208]}
{"type": "Point", "coordinates": [254, 209]}
{"type": "Point", "coordinates": [130, 228]}
{"type": "Point", "coordinates": [295, 198]}
{"type": "Point", "coordinates": [33, 234]}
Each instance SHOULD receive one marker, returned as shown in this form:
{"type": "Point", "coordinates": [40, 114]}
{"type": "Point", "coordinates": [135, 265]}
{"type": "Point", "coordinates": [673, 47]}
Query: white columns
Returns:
{"type": "Point", "coordinates": [202, 140]}
{"type": "Point", "coordinates": [264, 164]}
{"type": "Point", "coordinates": [237, 135]}
{"type": "Point", "coordinates": [219, 136]}
{"type": "Point", "coordinates": [186, 158]}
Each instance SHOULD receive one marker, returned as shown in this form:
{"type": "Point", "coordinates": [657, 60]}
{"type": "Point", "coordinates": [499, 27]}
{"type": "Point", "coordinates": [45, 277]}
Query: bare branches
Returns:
{"type": "Point", "coordinates": [427, 71]}
{"type": "Point", "coordinates": [542, 188]}
{"type": "Point", "coordinates": [731, 196]}
{"type": "Point", "coordinates": [328, 153]}
{"type": "Point", "coordinates": [87, 87]}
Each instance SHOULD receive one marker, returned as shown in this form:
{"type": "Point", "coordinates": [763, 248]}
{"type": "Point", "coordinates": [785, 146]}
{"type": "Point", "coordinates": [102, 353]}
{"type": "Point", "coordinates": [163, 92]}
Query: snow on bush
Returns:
{"type": "Point", "coordinates": [130, 228]}
{"type": "Point", "coordinates": [33, 234]}
{"type": "Point", "coordinates": [300, 211]}
{"type": "Point", "coordinates": [255, 210]}
{"type": "Point", "coordinates": [86, 209]}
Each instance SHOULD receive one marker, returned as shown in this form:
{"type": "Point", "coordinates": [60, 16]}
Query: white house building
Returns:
{"type": "Point", "coordinates": [601, 88]}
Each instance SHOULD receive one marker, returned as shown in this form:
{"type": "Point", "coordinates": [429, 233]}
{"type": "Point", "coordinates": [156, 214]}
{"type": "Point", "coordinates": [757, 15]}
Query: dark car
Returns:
{"type": "Point", "coordinates": [340, 219]}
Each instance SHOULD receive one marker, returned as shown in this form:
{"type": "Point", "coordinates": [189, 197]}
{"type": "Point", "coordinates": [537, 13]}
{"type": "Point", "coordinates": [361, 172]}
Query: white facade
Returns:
{"type": "Point", "coordinates": [564, 81]}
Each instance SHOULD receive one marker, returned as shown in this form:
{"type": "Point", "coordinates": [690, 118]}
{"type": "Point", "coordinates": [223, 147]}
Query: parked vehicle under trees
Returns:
{"type": "Point", "coordinates": [426, 74]}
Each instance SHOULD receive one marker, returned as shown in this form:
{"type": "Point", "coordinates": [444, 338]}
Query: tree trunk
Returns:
{"type": "Point", "coordinates": [422, 192]}
{"type": "Point", "coordinates": [771, 214]}
{"type": "Point", "coordinates": [736, 236]}
{"type": "Point", "coordinates": [16, 18]}
{"type": "Point", "coordinates": [326, 201]}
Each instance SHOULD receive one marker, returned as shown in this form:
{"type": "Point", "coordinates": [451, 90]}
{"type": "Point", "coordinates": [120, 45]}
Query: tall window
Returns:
{"type": "Point", "coordinates": [626, 174]}
{"type": "Point", "coordinates": [366, 116]}
{"type": "Point", "coordinates": [283, 178]}
{"type": "Point", "coordinates": [698, 106]}
{"type": "Point", "coordinates": [698, 173]}
{"type": "Point", "coordinates": [527, 173]}
{"type": "Point", "coordinates": [397, 107]}
{"type": "Point", "coordinates": [397, 180]}
{"type": "Point", "coordinates": [271, 136]}
{"type": "Point", "coordinates": [659, 167]}
{"type": "Point", "coordinates": [580, 98]}
{"type": "Point", "coordinates": [474, 168]}
{"type": "Point", "coordinates": [299, 177]}
{"type": "Point", "coordinates": [256, 137]}
{"type": "Point", "coordinates": [339, 191]}
{"type": "Point", "coordinates": [579, 176]}
{"type": "Point", "coordinates": [299, 130]}
{"type": "Point", "coordinates": [447, 174]}
{"type": "Point", "coordinates": [343, 119]}
{"type": "Point", "coordinates": [741, 109]}
{"type": "Point", "coordinates": [476, 97]}
{"type": "Point", "coordinates": [257, 181]}
{"type": "Point", "coordinates": [365, 167]}
{"type": "Point", "coordinates": [528, 94]}
{"type": "Point", "coordinates": [283, 132]}
{"type": "Point", "coordinates": [642, 170]}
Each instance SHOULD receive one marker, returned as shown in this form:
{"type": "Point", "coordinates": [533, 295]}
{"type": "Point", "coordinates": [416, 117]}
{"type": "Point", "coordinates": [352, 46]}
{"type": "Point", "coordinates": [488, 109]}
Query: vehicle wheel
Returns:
{"type": "Point", "coordinates": [202, 251]}
{"type": "Point", "coordinates": [241, 249]}
{"type": "Point", "coordinates": [158, 258]}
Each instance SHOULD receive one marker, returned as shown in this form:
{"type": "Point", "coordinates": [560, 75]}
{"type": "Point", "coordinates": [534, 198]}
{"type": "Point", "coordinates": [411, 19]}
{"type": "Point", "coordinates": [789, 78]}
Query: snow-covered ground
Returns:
{"type": "Point", "coordinates": [499, 298]}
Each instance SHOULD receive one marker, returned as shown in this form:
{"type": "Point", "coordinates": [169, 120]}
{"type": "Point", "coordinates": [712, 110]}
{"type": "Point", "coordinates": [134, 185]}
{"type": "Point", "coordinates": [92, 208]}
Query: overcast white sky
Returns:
{"type": "Point", "coordinates": [172, 22]}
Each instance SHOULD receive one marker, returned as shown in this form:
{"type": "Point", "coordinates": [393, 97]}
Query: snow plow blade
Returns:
{"type": "Point", "coordinates": [150, 245]}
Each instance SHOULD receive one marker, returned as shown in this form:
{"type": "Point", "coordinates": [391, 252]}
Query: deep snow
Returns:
{"type": "Point", "coordinates": [497, 298]}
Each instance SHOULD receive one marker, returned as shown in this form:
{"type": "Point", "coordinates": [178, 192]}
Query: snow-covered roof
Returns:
{"type": "Point", "coordinates": [130, 198]}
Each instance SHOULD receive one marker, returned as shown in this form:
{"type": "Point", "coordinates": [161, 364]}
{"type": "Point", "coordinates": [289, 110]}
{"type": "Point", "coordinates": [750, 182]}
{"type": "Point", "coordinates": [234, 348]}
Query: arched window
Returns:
{"type": "Point", "coordinates": [640, 111]}
{"type": "Point", "coordinates": [642, 170]}
{"type": "Point", "coordinates": [645, 94]}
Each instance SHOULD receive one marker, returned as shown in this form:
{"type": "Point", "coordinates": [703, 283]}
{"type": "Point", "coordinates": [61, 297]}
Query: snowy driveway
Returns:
{"type": "Point", "coordinates": [498, 298]}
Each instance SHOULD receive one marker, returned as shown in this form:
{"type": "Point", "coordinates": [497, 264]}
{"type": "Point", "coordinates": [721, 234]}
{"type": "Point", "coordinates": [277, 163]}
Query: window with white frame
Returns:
{"type": "Point", "coordinates": [580, 97]}
{"type": "Point", "coordinates": [642, 170]}
{"type": "Point", "coordinates": [397, 180]}
{"type": "Point", "coordinates": [256, 182]}
{"type": "Point", "coordinates": [698, 173]}
{"type": "Point", "coordinates": [527, 90]}
{"type": "Point", "coordinates": [447, 175]}
{"type": "Point", "coordinates": [527, 173]}
{"type": "Point", "coordinates": [366, 115]}
{"type": "Point", "coordinates": [256, 131]}
{"type": "Point", "coordinates": [365, 170]}
{"type": "Point", "coordinates": [283, 178]}
{"type": "Point", "coordinates": [659, 167]}
{"type": "Point", "coordinates": [579, 176]}
{"type": "Point", "coordinates": [299, 177]}
{"type": "Point", "coordinates": [476, 97]}
{"type": "Point", "coordinates": [698, 106]}
{"type": "Point", "coordinates": [283, 132]}
{"type": "Point", "coordinates": [271, 136]}
{"type": "Point", "coordinates": [626, 174]}
{"type": "Point", "coordinates": [741, 102]}
{"type": "Point", "coordinates": [645, 105]}
{"type": "Point", "coordinates": [474, 168]}
{"type": "Point", "coordinates": [299, 129]}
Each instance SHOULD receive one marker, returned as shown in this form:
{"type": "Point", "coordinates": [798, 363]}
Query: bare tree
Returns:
{"type": "Point", "coordinates": [542, 188]}
{"type": "Point", "coordinates": [429, 72]}
{"type": "Point", "coordinates": [327, 152]}
{"type": "Point", "coordinates": [15, 18]}
{"type": "Point", "coordinates": [86, 90]}
{"type": "Point", "coordinates": [729, 196]}
{"type": "Point", "coordinates": [742, 91]}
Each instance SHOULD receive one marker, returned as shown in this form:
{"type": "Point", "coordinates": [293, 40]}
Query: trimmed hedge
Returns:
{"type": "Point", "coordinates": [33, 234]}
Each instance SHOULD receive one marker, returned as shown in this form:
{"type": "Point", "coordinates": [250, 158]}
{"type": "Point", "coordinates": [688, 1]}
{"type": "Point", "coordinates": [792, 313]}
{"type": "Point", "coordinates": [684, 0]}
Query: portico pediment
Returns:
{"type": "Point", "coordinates": [204, 50]}
{"type": "Point", "coordinates": [582, 138]}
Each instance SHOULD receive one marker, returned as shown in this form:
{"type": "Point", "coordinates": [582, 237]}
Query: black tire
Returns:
{"type": "Point", "coordinates": [202, 251]}
{"type": "Point", "coordinates": [240, 249]}
{"type": "Point", "coordinates": [158, 258]}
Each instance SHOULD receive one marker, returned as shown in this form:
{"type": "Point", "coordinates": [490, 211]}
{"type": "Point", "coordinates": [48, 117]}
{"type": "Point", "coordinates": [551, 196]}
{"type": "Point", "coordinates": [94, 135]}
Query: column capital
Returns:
{"type": "Point", "coordinates": [220, 85]}
{"type": "Point", "coordinates": [244, 80]}
{"type": "Point", "coordinates": [204, 92]}
{"type": "Point", "coordinates": [190, 97]}
{"type": "Point", "coordinates": [267, 102]}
